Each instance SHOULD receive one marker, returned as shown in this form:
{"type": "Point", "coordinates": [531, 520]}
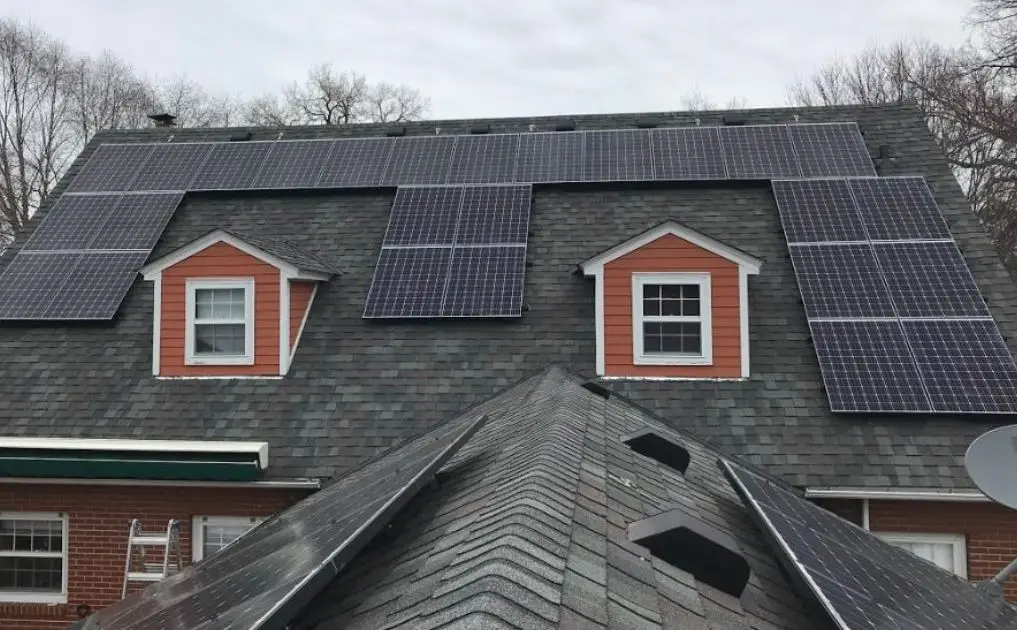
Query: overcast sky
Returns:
{"type": "Point", "coordinates": [495, 57]}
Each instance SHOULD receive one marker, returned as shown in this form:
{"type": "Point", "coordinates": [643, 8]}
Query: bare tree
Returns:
{"type": "Point", "coordinates": [192, 105]}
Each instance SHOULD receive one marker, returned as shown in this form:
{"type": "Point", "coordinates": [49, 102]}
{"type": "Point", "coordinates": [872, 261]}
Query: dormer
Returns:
{"type": "Point", "coordinates": [231, 305]}
{"type": "Point", "coordinates": [672, 303]}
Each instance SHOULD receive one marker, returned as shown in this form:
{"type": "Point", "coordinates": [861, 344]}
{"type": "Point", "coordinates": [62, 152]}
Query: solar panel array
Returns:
{"type": "Point", "coordinates": [663, 154]}
{"type": "Point", "coordinates": [453, 251]}
{"type": "Point", "coordinates": [898, 323]}
{"type": "Point", "coordinates": [862, 582]}
{"type": "Point", "coordinates": [82, 259]}
{"type": "Point", "coordinates": [264, 579]}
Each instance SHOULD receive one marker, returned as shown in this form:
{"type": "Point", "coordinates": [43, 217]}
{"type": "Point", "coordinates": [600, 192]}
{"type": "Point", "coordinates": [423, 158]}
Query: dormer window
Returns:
{"type": "Point", "coordinates": [220, 323]}
{"type": "Point", "coordinates": [671, 316]}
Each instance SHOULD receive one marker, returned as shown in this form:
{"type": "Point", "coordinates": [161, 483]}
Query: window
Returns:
{"type": "Point", "coordinates": [33, 557]}
{"type": "Point", "coordinates": [212, 533]}
{"type": "Point", "coordinates": [220, 322]}
{"type": "Point", "coordinates": [947, 551]}
{"type": "Point", "coordinates": [671, 319]}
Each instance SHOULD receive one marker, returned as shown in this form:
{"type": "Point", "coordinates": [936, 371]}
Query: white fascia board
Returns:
{"type": "Point", "coordinates": [898, 494]}
{"type": "Point", "coordinates": [595, 265]}
{"type": "Point", "coordinates": [156, 267]}
{"type": "Point", "coordinates": [138, 446]}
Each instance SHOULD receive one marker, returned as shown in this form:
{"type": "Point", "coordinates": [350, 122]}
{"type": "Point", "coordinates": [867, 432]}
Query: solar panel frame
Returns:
{"type": "Point", "coordinates": [867, 366]}
{"type": "Point", "coordinates": [825, 149]}
{"type": "Point", "coordinates": [965, 364]}
{"type": "Point", "coordinates": [758, 152]}
{"type": "Point", "coordinates": [929, 279]}
{"type": "Point", "coordinates": [293, 164]}
{"type": "Point", "coordinates": [408, 283]}
{"type": "Point", "coordinates": [424, 215]}
{"type": "Point", "coordinates": [818, 211]}
{"type": "Point", "coordinates": [96, 285]}
{"type": "Point", "coordinates": [494, 215]}
{"type": "Point", "coordinates": [171, 166]}
{"type": "Point", "coordinates": [551, 157]}
{"type": "Point", "coordinates": [687, 153]}
{"type": "Point", "coordinates": [486, 282]}
{"type": "Point", "coordinates": [840, 281]}
{"type": "Point", "coordinates": [31, 281]}
{"type": "Point", "coordinates": [898, 208]}
{"type": "Point", "coordinates": [606, 153]}
{"type": "Point", "coordinates": [419, 160]}
{"type": "Point", "coordinates": [73, 222]}
{"type": "Point", "coordinates": [111, 168]}
{"type": "Point", "coordinates": [356, 163]}
{"type": "Point", "coordinates": [231, 166]}
{"type": "Point", "coordinates": [137, 221]}
{"type": "Point", "coordinates": [484, 159]}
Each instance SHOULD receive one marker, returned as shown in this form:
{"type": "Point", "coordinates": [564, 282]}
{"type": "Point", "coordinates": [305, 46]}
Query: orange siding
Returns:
{"type": "Point", "coordinates": [300, 301]}
{"type": "Point", "coordinates": [220, 261]}
{"type": "Point", "coordinates": [671, 254]}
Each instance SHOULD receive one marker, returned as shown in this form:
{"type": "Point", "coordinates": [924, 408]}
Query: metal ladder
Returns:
{"type": "Point", "coordinates": [138, 568]}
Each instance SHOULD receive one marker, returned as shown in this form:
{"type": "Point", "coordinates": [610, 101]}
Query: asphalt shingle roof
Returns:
{"type": "Point", "coordinates": [287, 252]}
{"type": "Point", "coordinates": [356, 386]}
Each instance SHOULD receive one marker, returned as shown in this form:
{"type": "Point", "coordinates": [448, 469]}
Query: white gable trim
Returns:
{"type": "Point", "coordinates": [595, 265]}
{"type": "Point", "coordinates": [156, 267]}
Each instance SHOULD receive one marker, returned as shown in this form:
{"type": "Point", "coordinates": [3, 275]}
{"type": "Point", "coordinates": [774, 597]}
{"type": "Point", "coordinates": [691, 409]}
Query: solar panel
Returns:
{"type": "Point", "coordinates": [817, 211]}
{"type": "Point", "coordinates": [356, 163]}
{"type": "Point", "coordinates": [867, 367]}
{"type": "Point", "coordinates": [409, 282]}
{"type": "Point", "coordinates": [96, 285]}
{"type": "Point", "coordinates": [137, 221]}
{"type": "Point", "coordinates": [73, 222]}
{"type": "Point", "coordinates": [424, 215]}
{"type": "Point", "coordinates": [419, 160]}
{"type": "Point", "coordinates": [862, 582]}
{"type": "Point", "coordinates": [831, 149]}
{"type": "Point", "coordinates": [486, 282]}
{"type": "Point", "coordinates": [965, 364]}
{"type": "Point", "coordinates": [840, 281]}
{"type": "Point", "coordinates": [550, 157]}
{"type": "Point", "coordinates": [32, 281]}
{"type": "Point", "coordinates": [293, 164]}
{"type": "Point", "coordinates": [494, 214]}
{"type": "Point", "coordinates": [898, 208]}
{"type": "Point", "coordinates": [929, 279]}
{"type": "Point", "coordinates": [691, 153]}
{"type": "Point", "coordinates": [231, 166]}
{"type": "Point", "coordinates": [264, 579]}
{"type": "Point", "coordinates": [111, 167]}
{"type": "Point", "coordinates": [484, 159]}
{"type": "Point", "coordinates": [758, 152]}
{"type": "Point", "coordinates": [619, 155]}
{"type": "Point", "coordinates": [172, 166]}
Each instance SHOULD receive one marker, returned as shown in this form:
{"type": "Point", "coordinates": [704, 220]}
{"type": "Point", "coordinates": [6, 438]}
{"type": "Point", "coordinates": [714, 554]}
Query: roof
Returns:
{"type": "Point", "coordinates": [357, 386]}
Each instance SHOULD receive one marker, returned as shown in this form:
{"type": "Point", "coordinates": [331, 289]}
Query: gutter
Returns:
{"type": "Point", "coordinates": [292, 484]}
{"type": "Point", "coordinates": [895, 494]}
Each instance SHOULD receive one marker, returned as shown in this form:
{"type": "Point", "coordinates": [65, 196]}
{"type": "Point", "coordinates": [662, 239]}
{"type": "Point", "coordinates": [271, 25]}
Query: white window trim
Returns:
{"type": "Point", "coordinates": [39, 598]}
{"type": "Point", "coordinates": [190, 358]}
{"type": "Point", "coordinates": [956, 541]}
{"type": "Point", "coordinates": [705, 318]}
{"type": "Point", "coordinates": [198, 524]}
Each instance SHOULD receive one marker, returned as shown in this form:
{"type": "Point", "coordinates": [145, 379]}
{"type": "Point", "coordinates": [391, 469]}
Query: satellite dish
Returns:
{"type": "Point", "coordinates": [991, 461]}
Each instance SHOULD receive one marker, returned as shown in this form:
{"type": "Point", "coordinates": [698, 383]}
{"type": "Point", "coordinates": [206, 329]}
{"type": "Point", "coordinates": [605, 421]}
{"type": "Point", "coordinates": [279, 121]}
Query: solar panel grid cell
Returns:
{"type": "Point", "coordinates": [73, 222]}
{"type": "Point", "coordinates": [494, 214]}
{"type": "Point", "coordinates": [112, 167]}
{"type": "Point", "coordinates": [409, 283]}
{"type": "Point", "coordinates": [231, 166]}
{"type": "Point", "coordinates": [840, 281]}
{"type": "Point", "coordinates": [293, 164]}
{"type": "Point", "coordinates": [618, 155]}
{"type": "Point", "coordinates": [356, 163]}
{"type": "Point", "coordinates": [898, 208]}
{"type": "Point", "coordinates": [486, 282]}
{"type": "Point", "coordinates": [419, 160]}
{"type": "Point", "coordinates": [817, 211]}
{"type": "Point", "coordinates": [424, 216]}
{"type": "Point", "coordinates": [758, 152]}
{"type": "Point", "coordinates": [687, 154]}
{"type": "Point", "coordinates": [32, 281]}
{"type": "Point", "coordinates": [550, 157]}
{"type": "Point", "coordinates": [830, 149]}
{"type": "Point", "coordinates": [484, 159]}
{"type": "Point", "coordinates": [929, 280]}
{"type": "Point", "coordinates": [137, 221]}
{"type": "Point", "coordinates": [96, 285]}
{"type": "Point", "coordinates": [171, 166]}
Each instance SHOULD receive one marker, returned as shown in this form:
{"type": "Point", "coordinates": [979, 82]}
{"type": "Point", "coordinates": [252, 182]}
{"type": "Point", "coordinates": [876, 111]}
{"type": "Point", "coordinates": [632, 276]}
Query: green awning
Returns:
{"type": "Point", "coordinates": [132, 459]}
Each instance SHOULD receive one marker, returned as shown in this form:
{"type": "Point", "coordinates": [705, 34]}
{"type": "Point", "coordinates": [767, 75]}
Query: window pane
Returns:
{"type": "Point", "coordinates": [219, 303]}
{"type": "Point", "coordinates": [237, 310]}
{"type": "Point", "coordinates": [651, 291]}
{"type": "Point", "coordinates": [651, 307]}
{"type": "Point", "coordinates": [31, 574]}
{"type": "Point", "coordinates": [203, 303]}
{"type": "Point", "coordinates": [673, 338]}
{"type": "Point", "coordinates": [220, 339]}
{"type": "Point", "coordinates": [671, 307]}
{"type": "Point", "coordinates": [940, 554]}
{"type": "Point", "coordinates": [690, 291]}
{"type": "Point", "coordinates": [218, 536]}
{"type": "Point", "coordinates": [671, 291]}
{"type": "Point", "coordinates": [690, 307]}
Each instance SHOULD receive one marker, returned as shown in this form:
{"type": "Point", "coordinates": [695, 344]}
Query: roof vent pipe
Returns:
{"type": "Point", "coordinates": [163, 120]}
{"type": "Point", "coordinates": [731, 120]}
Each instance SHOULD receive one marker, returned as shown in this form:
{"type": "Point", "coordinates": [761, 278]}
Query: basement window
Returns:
{"type": "Point", "coordinates": [220, 322]}
{"type": "Point", "coordinates": [33, 557]}
{"type": "Point", "coordinates": [946, 551]}
{"type": "Point", "coordinates": [671, 319]}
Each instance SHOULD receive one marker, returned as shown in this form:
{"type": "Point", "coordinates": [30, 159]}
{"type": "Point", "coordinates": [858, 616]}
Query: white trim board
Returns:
{"type": "Point", "coordinates": [898, 494]}
{"type": "Point", "coordinates": [138, 446]}
{"type": "Point", "coordinates": [296, 484]}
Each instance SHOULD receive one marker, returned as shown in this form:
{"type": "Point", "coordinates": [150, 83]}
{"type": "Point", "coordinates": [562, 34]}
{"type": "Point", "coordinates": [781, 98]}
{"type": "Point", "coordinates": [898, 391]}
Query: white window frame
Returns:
{"type": "Point", "coordinates": [956, 541]}
{"type": "Point", "coordinates": [705, 319]}
{"type": "Point", "coordinates": [193, 285]}
{"type": "Point", "coordinates": [198, 524]}
{"type": "Point", "coordinates": [39, 598]}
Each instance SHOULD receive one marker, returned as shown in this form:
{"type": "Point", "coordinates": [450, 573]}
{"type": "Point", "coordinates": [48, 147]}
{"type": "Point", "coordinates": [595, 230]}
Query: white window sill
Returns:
{"type": "Point", "coordinates": [9, 597]}
{"type": "Point", "coordinates": [213, 360]}
{"type": "Point", "coordinates": [671, 359]}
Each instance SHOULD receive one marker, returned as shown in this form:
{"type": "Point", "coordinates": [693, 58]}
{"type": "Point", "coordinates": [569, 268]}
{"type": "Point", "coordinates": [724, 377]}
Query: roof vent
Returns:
{"type": "Point", "coordinates": [710, 555]}
{"type": "Point", "coordinates": [644, 123]}
{"type": "Point", "coordinates": [241, 136]}
{"type": "Point", "coordinates": [733, 121]}
{"type": "Point", "coordinates": [163, 120]}
{"type": "Point", "coordinates": [566, 125]}
{"type": "Point", "coordinates": [658, 446]}
{"type": "Point", "coordinates": [597, 388]}
{"type": "Point", "coordinates": [886, 152]}
{"type": "Point", "coordinates": [480, 129]}
{"type": "Point", "coordinates": [395, 132]}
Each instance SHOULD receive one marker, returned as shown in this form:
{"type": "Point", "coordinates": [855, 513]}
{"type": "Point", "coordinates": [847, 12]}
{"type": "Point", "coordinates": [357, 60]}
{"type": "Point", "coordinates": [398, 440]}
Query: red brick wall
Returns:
{"type": "Point", "coordinates": [98, 520]}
